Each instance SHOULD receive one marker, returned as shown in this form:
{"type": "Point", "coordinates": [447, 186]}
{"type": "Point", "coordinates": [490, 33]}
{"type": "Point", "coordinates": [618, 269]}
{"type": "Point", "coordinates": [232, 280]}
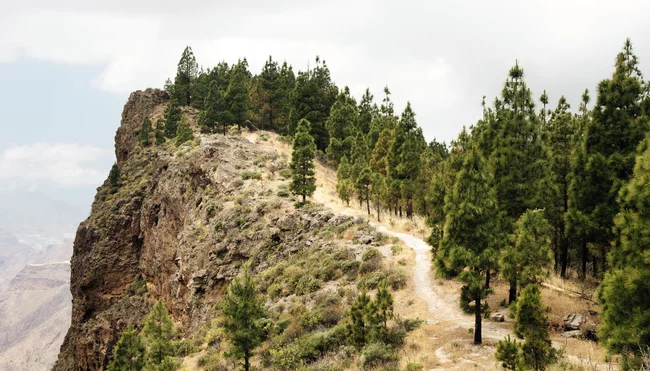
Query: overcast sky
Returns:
{"type": "Point", "coordinates": [67, 66]}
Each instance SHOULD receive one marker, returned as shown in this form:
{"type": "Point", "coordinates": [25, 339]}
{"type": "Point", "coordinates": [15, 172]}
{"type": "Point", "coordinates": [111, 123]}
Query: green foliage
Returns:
{"type": "Point", "coordinates": [114, 176]}
{"type": "Point", "coordinates": [343, 116]}
{"type": "Point", "coordinates": [344, 185]}
{"type": "Point", "coordinates": [378, 354]}
{"type": "Point", "coordinates": [243, 311]}
{"type": "Point", "coordinates": [186, 74]}
{"type": "Point", "coordinates": [251, 175]}
{"type": "Point", "coordinates": [363, 186]}
{"type": "Point", "coordinates": [508, 353]}
{"type": "Point", "coordinates": [160, 132]}
{"type": "Point", "coordinates": [531, 323]}
{"type": "Point", "coordinates": [184, 132]}
{"type": "Point", "coordinates": [525, 259]}
{"type": "Point", "coordinates": [172, 117]}
{"type": "Point", "coordinates": [158, 332]}
{"type": "Point", "coordinates": [413, 366]}
{"type": "Point", "coordinates": [303, 182]}
{"type": "Point", "coordinates": [237, 95]}
{"type": "Point", "coordinates": [129, 353]}
{"type": "Point", "coordinates": [624, 293]}
{"type": "Point", "coordinates": [145, 132]}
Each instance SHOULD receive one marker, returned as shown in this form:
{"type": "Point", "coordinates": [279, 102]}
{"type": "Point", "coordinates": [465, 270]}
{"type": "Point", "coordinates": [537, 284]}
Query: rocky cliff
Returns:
{"type": "Point", "coordinates": [182, 223]}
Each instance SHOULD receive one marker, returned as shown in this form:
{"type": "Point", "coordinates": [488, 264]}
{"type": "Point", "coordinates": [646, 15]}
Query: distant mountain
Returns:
{"type": "Point", "coordinates": [13, 257]}
{"type": "Point", "coordinates": [36, 219]}
{"type": "Point", "coordinates": [34, 316]}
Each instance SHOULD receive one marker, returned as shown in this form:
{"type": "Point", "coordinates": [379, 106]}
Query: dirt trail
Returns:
{"type": "Point", "coordinates": [441, 300]}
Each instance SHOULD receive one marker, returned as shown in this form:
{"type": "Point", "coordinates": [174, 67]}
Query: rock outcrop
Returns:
{"type": "Point", "coordinates": [182, 222]}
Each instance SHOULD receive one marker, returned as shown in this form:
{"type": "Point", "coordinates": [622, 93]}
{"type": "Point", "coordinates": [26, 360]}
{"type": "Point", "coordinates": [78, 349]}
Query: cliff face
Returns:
{"type": "Point", "coordinates": [181, 224]}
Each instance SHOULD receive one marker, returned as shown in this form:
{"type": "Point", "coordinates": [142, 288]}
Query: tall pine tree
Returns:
{"type": "Point", "coordinates": [303, 182]}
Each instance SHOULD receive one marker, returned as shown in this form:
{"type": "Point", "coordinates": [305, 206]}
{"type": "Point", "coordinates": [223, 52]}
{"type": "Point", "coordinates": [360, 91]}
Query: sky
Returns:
{"type": "Point", "coordinates": [68, 66]}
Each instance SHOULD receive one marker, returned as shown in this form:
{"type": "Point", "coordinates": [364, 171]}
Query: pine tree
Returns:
{"type": "Point", "coordinates": [531, 323]}
{"type": "Point", "coordinates": [367, 112]}
{"type": "Point", "coordinates": [340, 124]}
{"type": "Point", "coordinates": [302, 161]}
{"type": "Point", "coordinates": [172, 116]}
{"type": "Point", "coordinates": [216, 115]}
{"type": "Point", "coordinates": [611, 137]}
{"type": "Point", "coordinates": [145, 132]}
{"type": "Point", "coordinates": [359, 325]}
{"type": "Point", "coordinates": [184, 132]}
{"type": "Point", "coordinates": [344, 186]}
{"type": "Point", "coordinates": [114, 176]}
{"type": "Point", "coordinates": [559, 133]}
{"type": "Point", "coordinates": [158, 333]}
{"type": "Point", "coordinates": [186, 73]}
{"type": "Point", "coordinates": [160, 132]}
{"type": "Point", "coordinates": [382, 308]}
{"type": "Point", "coordinates": [468, 245]}
{"type": "Point", "coordinates": [269, 94]}
{"type": "Point", "coordinates": [243, 311]}
{"type": "Point", "coordinates": [625, 291]}
{"type": "Point", "coordinates": [523, 262]}
{"type": "Point", "coordinates": [363, 186]}
{"type": "Point", "coordinates": [378, 192]}
{"type": "Point", "coordinates": [238, 95]}
{"type": "Point", "coordinates": [508, 353]}
{"type": "Point", "coordinates": [129, 353]}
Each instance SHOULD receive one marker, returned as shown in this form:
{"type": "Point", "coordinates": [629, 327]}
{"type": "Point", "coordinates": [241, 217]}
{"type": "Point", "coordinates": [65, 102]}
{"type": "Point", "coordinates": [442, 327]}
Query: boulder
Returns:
{"type": "Point", "coordinates": [573, 321]}
{"type": "Point", "coordinates": [498, 317]}
{"type": "Point", "coordinates": [572, 334]}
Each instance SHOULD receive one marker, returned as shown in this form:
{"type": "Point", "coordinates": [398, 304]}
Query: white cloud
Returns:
{"type": "Point", "coordinates": [59, 165]}
{"type": "Point", "coordinates": [442, 56]}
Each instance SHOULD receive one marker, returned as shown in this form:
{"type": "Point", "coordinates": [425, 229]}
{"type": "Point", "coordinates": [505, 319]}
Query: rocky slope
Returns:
{"type": "Point", "coordinates": [34, 315]}
{"type": "Point", "coordinates": [181, 224]}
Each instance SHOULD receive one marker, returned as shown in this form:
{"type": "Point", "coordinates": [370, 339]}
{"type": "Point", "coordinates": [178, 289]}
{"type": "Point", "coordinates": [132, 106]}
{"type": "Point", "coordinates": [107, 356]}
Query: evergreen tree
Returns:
{"type": "Point", "coordinates": [379, 157]}
{"type": "Point", "coordinates": [238, 95]}
{"type": "Point", "coordinates": [625, 291]}
{"type": "Point", "coordinates": [145, 132]}
{"type": "Point", "coordinates": [286, 84]}
{"type": "Point", "coordinates": [243, 311]}
{"type": "Point", "coordinates": [184, 132]}
{"type": "Point", "coordinates": [367, 111]}
{"type": "Point", "coordinates": [531, 323]}
{"type": "Point", "coordinates": [303, 182]}
{"type": "Point", "coordinates": [340, 124]}
{"type": "Point", "coordinates": [559, 133]}
{"type": "Point", "coordinates": [158, 333]}
{"type": "Point", "coordinates": [216, 115]}
{"type": "Point", "coordinates": [186, 73]}
{"type": "Point", "coordinates": [114, 176]}
{"type": "Point", "coordinates": [160, 132]}
{"type": "Point", "coordinates": [508, 353]}
{"type": "Point", "coordinates": [344, 186]}
{"type": "Point", "coordinates": [359, 326]}
{"type": "Point", "coordinates": [611, 137]}
{"type": "Point", "coordinates": [172, 117]}
{"type": "Point", "coordinates": [313, 95]}
{"type": "Point", "coordinates": [382, 308]}
{"type": "Point", "coordinates": [269, 94]}
{"type": "Point", "coordinates": [129, 353]}
{"type": "Point", "coordinates": [577, 223]}
{"type": "Point", "coordinates": [523, 262]}
{"type": "Point", "coordinates": [363, 186]}
{"type": "Point", "coordinates": [378, 192]}
{"type": "Point", "coordinates": [468, 245]}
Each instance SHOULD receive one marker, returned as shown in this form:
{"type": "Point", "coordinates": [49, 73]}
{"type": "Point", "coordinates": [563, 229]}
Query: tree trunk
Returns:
{"type": "Point", "coordinates": [368, 205]}
{"type": "Point", "coordinates": [247, 365]}
{"type": "Point", "coordinates": [487, 279]}
{"type": "Point", "coordinates": [594, 265]}
{"type": "Point", "coordinates": [400, 211]}
{"type": "Point", "coordinates": [477, 320]}
{"type": "Point", "coordinates": [585, 257]}
{"type": "Point", "coordinates": [304, 198]}
{"type": "Point", "coordinates": [512, 294]}
{"type": "Point", "coordinates": [564, 255]}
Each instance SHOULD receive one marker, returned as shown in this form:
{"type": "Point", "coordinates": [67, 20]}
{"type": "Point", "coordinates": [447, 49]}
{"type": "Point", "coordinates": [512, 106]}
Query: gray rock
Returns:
{"type": "Point", "coordinates": [498, 317]}
{"type": "Point", "coordinates": [572, 334]}
{"type": "Point", "coordinates": [573, 321]}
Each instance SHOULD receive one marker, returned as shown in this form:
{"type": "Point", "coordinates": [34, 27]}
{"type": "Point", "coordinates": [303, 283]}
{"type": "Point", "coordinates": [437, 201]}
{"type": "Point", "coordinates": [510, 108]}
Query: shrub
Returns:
{"type": "Point", "coordinates": [411, 366]}
{"type": "Point", "coordinates": [378, 354]}
{"type": "Point", "coordinates": [508, 353]}
{"type": "Point", "coordinates": [371, 260]}
{"type": "Point", "coordinates": [251, 175]}
{"type": "Point", "coordinates": [285, 173]}
{"type": "Point", "coordinates": [138, 288]}
{"type": "Point", "coordinates": [372, 280]}
{"type": "Point", "coordinates": [397, 279]}
{"type": "Point", "coordinates": [283, 193]}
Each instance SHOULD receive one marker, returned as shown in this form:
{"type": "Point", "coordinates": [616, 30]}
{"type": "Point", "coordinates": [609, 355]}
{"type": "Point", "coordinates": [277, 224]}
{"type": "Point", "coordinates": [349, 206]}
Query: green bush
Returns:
{"type": "Point", "coordinates": [371, 281]}
{"type": "Point", "coordinates": [371, 260]}
{"type": "Point", "coordinates": [283, 193]}
{"type": "Point", "coordinates": [412, 366]}
{"type": "Point", "coordinates": [285, 173]}
{"type": "Point", "coordinates": [138, 288]}
{"type": "Point", "coordinates": [378, 354]}
{"type": "Point", "coordinates": [397, 279]}
{"type": "Point", "coordinates": [251, 175]}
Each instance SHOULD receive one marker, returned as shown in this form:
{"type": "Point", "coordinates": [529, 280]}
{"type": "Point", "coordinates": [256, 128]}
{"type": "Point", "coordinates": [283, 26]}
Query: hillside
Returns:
{"type": "Point", "coordinates": [34, 315]}
{"type": "Point", "coordinates": [182, 222]}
